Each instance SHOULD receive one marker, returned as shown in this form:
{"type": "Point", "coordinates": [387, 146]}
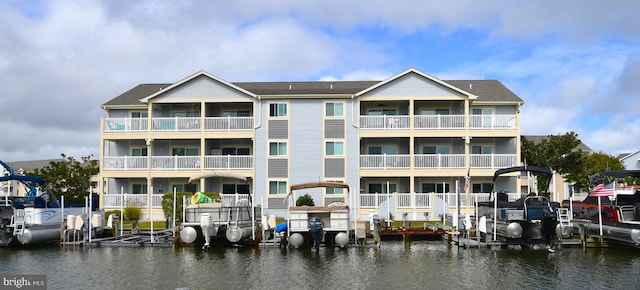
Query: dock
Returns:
{"type": "Point", "coordinates": [140, 238]}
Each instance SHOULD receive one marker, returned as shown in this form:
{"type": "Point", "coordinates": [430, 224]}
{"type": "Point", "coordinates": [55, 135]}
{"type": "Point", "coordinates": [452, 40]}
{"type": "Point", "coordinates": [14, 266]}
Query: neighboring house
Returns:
{"type": "Point", "coordinates": [21, 167]}
{"type": "Point", "coordinates": [630, 161]}
{"type": "Point", "coordinates": [412, 135]}
{"type": "Point", "coordinates": [559, 188]}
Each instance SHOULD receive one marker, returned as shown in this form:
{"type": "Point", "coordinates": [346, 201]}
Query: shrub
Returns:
{"type": "Point", "coordinates": [132, 213]}
{"type": "Point", "coordinates": [305, 199]}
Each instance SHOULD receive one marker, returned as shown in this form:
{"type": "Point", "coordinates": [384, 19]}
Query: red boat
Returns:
{"type": "Point", "coordinates": [609, 212]}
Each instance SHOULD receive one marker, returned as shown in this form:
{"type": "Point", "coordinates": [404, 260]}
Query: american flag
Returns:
{"type": "Point", "coordinates": [603, 189]}
{"type": "Point", "coordinates": [466, 180]}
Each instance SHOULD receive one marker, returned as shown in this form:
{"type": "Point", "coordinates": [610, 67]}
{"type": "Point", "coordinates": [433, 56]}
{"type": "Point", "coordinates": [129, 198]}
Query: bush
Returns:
{"type": "Point", "coordinates": [132, 213]}
{"type": "Point", "coordinates": [305, 199]}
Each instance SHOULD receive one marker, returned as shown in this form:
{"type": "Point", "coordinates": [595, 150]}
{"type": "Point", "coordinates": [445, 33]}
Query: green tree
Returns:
{"type": "Point", "coordinates": [69, 177]}
{"type": "Point", "coordinates": [560, 153]}
{"type": "Point", "coordinates": [305, 199]}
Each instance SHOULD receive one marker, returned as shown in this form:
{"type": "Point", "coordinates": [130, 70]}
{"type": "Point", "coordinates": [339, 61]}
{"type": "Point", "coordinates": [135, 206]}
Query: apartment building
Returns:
{"type": "Point", "coordinates": [404, 145]}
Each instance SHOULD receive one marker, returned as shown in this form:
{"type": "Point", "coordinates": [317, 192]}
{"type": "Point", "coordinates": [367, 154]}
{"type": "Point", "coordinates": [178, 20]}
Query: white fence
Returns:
{"type": "Point", "coordinates": [132, 163]}
{"type": "Point", "coordinates": [118, 200]}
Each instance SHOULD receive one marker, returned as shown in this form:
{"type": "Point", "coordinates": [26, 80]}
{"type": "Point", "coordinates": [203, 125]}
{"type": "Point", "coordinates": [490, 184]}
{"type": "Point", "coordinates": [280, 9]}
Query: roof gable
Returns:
{"type": "Point", "coordinates": [411, 79]}
{"type": "Point", "coordinates": [199, 77]}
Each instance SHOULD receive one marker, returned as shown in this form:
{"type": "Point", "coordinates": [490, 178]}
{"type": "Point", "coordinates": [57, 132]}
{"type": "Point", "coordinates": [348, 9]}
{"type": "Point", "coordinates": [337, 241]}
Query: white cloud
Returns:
{"type": "Point", "coordinates": [564, 58]}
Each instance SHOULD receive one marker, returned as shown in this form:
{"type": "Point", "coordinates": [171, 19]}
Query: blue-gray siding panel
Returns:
{"type": "Point", "coordinates": [203, 87]}
{"type": "Point", "coordinates": [413, 85]}
{"type": "Point", "coordinates": [306, 149]}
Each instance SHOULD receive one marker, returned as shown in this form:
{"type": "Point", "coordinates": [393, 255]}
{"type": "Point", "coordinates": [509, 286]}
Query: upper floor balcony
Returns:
{"type": "Point", "coordinates": [438, 122]}
{"type": "Point", "coordinates": [178, 124]}
{"type": "Point", "coordinates": [160, 163]}
{"type": "Point", "coordinates": [436, 161]}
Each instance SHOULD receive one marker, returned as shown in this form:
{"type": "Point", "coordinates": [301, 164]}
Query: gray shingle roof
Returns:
{"type": "Point", "coordinates": [538, 138]}
{"type": "Point", "coordinates": [486, 90]}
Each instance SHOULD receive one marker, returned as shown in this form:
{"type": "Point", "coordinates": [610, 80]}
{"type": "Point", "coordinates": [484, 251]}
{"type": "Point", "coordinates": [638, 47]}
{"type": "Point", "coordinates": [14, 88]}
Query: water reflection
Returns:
{"type": "Point", "coordinates": [420, 265]}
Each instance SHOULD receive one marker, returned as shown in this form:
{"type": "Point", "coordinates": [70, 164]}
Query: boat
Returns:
{"type": "Point", "coordinates": [232, 220]}
{"type": "Point", "coordinates": [609, 212]}
{"type": "Point", "coordinates": [36, 217]}
{"type": "Point", "coordinates": [313, 225]}
{"type": "Point", "coordinates": [521, 221]}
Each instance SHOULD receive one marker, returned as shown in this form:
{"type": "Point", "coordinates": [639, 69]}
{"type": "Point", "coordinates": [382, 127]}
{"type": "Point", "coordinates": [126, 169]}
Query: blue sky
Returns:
{"type": "Point", "coordinates": [575, 63]}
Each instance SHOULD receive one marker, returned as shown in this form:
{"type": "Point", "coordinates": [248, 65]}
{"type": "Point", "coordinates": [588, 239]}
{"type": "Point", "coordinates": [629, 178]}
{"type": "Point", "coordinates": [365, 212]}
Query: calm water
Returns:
{"type": "Point", "coordinates": [422, 265]}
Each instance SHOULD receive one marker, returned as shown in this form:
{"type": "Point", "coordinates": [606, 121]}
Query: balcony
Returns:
{"type": "Point", "coordinates": [492, 122]}
{"type": "Point", "coordinates": [385, 161]}
{"type": "Point", "coordinates": [439, 122]}
{"type": "Point", "coordinates": [493, 161]}
{"type": "Point", "coordinates": [178, 124]}
{"type": "Point", "coordinates": [138, 163]}
{"type": "Point", "coordinates": [439, 161]}
{"type": "Point", "coordinates": [424, 200]}
{"type": "Point", "coordinates": [385, 122]}
{"type": "Point", "coordinates": [112, 201]}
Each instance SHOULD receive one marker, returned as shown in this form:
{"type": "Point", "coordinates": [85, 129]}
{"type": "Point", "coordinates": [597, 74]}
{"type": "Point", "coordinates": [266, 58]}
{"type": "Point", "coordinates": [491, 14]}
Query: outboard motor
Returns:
{"type": "Point", "coordinates": [316, 231]}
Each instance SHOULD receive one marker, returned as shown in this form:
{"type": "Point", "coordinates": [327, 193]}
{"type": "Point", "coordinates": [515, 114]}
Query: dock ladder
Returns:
{"type": "Point", "coordinates": [564, 219]}
{"type": "Point", "coordinates": [18, 222]}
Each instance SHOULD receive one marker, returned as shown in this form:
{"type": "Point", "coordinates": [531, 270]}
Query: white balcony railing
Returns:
{"type": "Point", "coordinates": [118, 200]}
{"type": "Point", "coordinates": [125, 124]}
{"type": "Point", "coordinates": [177, 124]}
{"type": "Point", "coordinates": [385, 122]}
{"type": "Point", "coordinates": [438, 161]}
{"type": "Point", "coordinates": [493, 160]}
{"type": "Point", "coordinates": [228, 123]}
{"type": "Point", "coordinates": [439, 122]}
{"type": "Point", "coordinates": [425, 200]}
{"type": "Point", "coordinates": [125, 163]}
{"type": "Point", "coordinates": [384, 161]}
{"type": "Point", "coordinates": [133, 163]}
{"type": "Point", "coordinates": [492, 122]}
{"type": "Point", "coordinates": [367, 122]}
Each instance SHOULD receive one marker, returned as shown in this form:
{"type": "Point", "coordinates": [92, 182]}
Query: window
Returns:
{"type": "Point", "coordinates": [334, 190]}
{"type": "Point", "coordinates": [235, 151]}
{"type": "Point", "coordinates": [388, 112]}
{"type": "Point", "coordinates": [278, 110]}
{"type": "Point", "coordinates": [434, 187]}
{"type": "Point", "coordinates": [485, 117]}
{"type": "Point", "coordinates": [384, 149]}
{"type": "Point", "coordinates": [239, 113]}
{"type": "Point", "coordinates": [334, 148]}
{"type": "Point", "coordinates": [230, 188]}
{"type": "Point", "coordinates": [142, 151]}
{"type": "Point", "coordinates": [188, 187]}
{"type": "Point", "coordinates": [142, 114]}
{"type": "Point", "coordinates": [481, 187]}
{"type": "Point", "coordinates": [431, 112]}
{"type": "Point", "coordinates": [334, 109]}
{"type": "Point", "coordinates": [481, 149]}
{"type": "Point", "coordinates": [138, 188]}
{"type": "Point", "coordinates": [278, 148]}
{"type": "Point", "coordinates": [435, 149]}
{"type": "Point", "coordinates": [184, 151]}
{"type": "Point", "coordinates": [277, 187]}
{"type": "Point", "coordinates": [382, 187]}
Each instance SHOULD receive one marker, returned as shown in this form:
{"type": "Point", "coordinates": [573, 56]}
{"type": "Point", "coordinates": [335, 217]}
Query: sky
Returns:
{"type": "Point", "coordinates": [575, 63]}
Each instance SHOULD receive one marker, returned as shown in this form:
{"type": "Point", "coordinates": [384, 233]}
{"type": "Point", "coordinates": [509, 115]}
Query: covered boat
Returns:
{"type": "Point", "coordinates": [232, 220]}
{"type": "Point", "coordinates": [520, 221]}
{"type": "Point", "coordinates": [313, 225]}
